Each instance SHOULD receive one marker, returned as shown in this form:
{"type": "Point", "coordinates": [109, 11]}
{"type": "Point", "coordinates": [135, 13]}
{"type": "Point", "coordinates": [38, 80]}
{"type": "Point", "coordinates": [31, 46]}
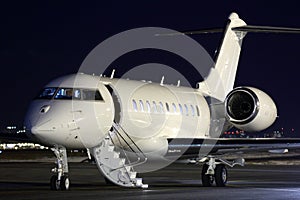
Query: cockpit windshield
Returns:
{"type": "Point", "coordinates": [70, 93]}
{"type": "Point", "coordinates": [67, 93]}
{"type": "Point", "coordinates": [47, 93]}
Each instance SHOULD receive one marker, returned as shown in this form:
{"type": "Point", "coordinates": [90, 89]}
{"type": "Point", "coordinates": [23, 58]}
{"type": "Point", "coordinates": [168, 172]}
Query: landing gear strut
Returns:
{"type": "Point", "coordinates": [207, 179]}
{"type": "Point", "coordinates": [60, 180]}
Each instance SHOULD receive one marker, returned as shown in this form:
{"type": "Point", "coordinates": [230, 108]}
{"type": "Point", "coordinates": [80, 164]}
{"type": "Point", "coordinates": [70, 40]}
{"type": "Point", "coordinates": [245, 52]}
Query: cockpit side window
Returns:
{"type": "Point", "coordinates": [47, 93]}
{"type": "Point", "coordinates": [89, 94]}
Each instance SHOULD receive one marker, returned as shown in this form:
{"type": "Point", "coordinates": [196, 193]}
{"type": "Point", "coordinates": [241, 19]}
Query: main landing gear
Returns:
{"type": "Point", "coordinates": [60, 180]}
{"type": "Point", "coordinates": [215, 171]}
{"type": "Point", "coordinates": [219, 176]}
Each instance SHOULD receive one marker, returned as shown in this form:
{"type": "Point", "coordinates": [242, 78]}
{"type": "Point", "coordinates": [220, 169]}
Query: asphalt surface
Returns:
{"type": "Point", "coordinates": [179, 181]}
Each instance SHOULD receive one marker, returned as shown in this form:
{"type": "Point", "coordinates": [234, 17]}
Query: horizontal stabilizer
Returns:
{"type": "Point", "coordinates": [266, 29]}
{"type": "Point", "coordinates": [193, 32]}
{"type": "Point", "coordinates": [247, 28]}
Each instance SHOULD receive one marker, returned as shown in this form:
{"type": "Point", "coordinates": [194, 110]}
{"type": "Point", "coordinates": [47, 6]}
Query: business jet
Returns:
{"type": "Point", "coordinates": [125, 124]}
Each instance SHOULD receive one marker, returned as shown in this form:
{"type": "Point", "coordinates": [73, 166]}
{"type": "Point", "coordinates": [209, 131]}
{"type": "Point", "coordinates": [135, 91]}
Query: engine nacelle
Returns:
{"type": "Point", "coordinates": [250, 109]}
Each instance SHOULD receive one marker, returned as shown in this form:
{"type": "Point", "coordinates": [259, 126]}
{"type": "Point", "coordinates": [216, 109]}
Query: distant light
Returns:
{"type": "Point", "coordinates": [10, 146]}
{"type": "Point", "coordinates": [21, 131]}
{"type": "Point", "coordinates": [11, 127]}
{"type": "Point", "coordinates": [293, 129]}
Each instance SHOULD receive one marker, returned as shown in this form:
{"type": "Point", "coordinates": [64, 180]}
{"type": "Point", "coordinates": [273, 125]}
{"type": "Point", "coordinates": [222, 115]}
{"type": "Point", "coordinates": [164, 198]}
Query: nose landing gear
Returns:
{"type": "Point", "coordinates": [60, 180]}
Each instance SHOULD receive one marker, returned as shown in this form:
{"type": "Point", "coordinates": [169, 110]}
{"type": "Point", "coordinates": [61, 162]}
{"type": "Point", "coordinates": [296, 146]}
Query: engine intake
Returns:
{"type": "Point", "coordinates": [242, 105]}
{"type": "Point", "coordinates": [250, 109]}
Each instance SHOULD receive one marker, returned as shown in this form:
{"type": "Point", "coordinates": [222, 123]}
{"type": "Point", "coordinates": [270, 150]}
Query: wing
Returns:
{"type": "Point", "coordinates": [217, 146]}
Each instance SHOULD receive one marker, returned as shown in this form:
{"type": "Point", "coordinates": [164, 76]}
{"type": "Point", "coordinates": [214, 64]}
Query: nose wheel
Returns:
{"type": "Point", "coordinates": [62, 184]}
{"type": "Point", "coordinates": [60, 180]}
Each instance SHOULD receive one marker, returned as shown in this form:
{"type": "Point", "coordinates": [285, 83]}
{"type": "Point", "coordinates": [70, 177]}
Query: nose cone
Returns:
{"type": "Point", "coordinates": [41, 133]}
{"type": "Point", "coordinates": [28, 125]}
{"type": "Point", "coordinates": [34, 130]}
{"type": "Point", "coordinates": [31, 132]}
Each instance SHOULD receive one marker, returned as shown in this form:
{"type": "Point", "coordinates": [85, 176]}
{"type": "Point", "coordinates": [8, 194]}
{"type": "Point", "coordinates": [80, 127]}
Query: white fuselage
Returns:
{"type": "Point", "coordinates": [149, 112]}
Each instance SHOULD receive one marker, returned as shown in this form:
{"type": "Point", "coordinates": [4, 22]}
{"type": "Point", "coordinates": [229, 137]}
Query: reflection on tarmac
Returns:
{"type": "Point", "coordinates": [178, 181]}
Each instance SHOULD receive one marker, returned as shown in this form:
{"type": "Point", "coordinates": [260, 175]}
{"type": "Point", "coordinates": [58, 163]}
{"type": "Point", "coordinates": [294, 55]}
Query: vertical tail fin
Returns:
{"type": "Point", "coordinates": [221, 78]}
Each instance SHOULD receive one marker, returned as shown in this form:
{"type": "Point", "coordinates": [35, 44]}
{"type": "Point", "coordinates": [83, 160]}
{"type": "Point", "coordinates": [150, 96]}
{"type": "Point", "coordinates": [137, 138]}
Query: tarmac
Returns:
{"type": "Point", "coordinates": [30, 180]}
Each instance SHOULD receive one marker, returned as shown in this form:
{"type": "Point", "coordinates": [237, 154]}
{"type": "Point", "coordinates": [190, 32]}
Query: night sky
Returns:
{"type": "Point", "coordinates": [40, 41]}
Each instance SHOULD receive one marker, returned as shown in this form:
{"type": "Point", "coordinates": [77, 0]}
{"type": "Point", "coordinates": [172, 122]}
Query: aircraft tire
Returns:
{"type": "Point", "coordinates": [64, 183]}
{"type": "Point", "coordinates": [221, 175]}
{"type": "Point", "coordinates": [207, 180]}
{"type": "Point", "coordinates": [53, 183]}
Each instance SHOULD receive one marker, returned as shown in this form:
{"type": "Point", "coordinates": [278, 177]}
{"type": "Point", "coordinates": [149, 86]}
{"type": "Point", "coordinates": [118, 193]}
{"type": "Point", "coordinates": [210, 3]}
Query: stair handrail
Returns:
{"type": "Point", "coordinates": [135, 163]}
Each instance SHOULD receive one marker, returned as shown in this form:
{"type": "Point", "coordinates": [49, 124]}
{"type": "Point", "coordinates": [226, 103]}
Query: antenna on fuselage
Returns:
{"type": "Point", "coordinates": [162, 80]}
{"type": "Point", "coordinates": [112, 74]}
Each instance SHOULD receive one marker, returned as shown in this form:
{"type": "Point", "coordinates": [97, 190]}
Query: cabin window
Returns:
{"type": "Point", "coordinates": [192, 110]}
{"type": "Point", "coordinates": [159, 108]}
{"type": "Point", "coordinates": [141, 105]}
{"type": "Point", "coordinates": [198, 112]}
{"type": "Point", "coordinates": [148, 106]}
{"type": "Point", "coordinates": [168, 108]}
{"type": "Point", "coordinates": [186, 110]}
{"type": "Point", "coordinates": [154, 107]}
{"type": "Point", "coordinates": [180, 108]}
{"type": "Point", "coordinates": [174, 107]}
{"type": "Point", "coordinates": [47, 93]}
{"type": "Point", "coordinates": [134, 105]}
